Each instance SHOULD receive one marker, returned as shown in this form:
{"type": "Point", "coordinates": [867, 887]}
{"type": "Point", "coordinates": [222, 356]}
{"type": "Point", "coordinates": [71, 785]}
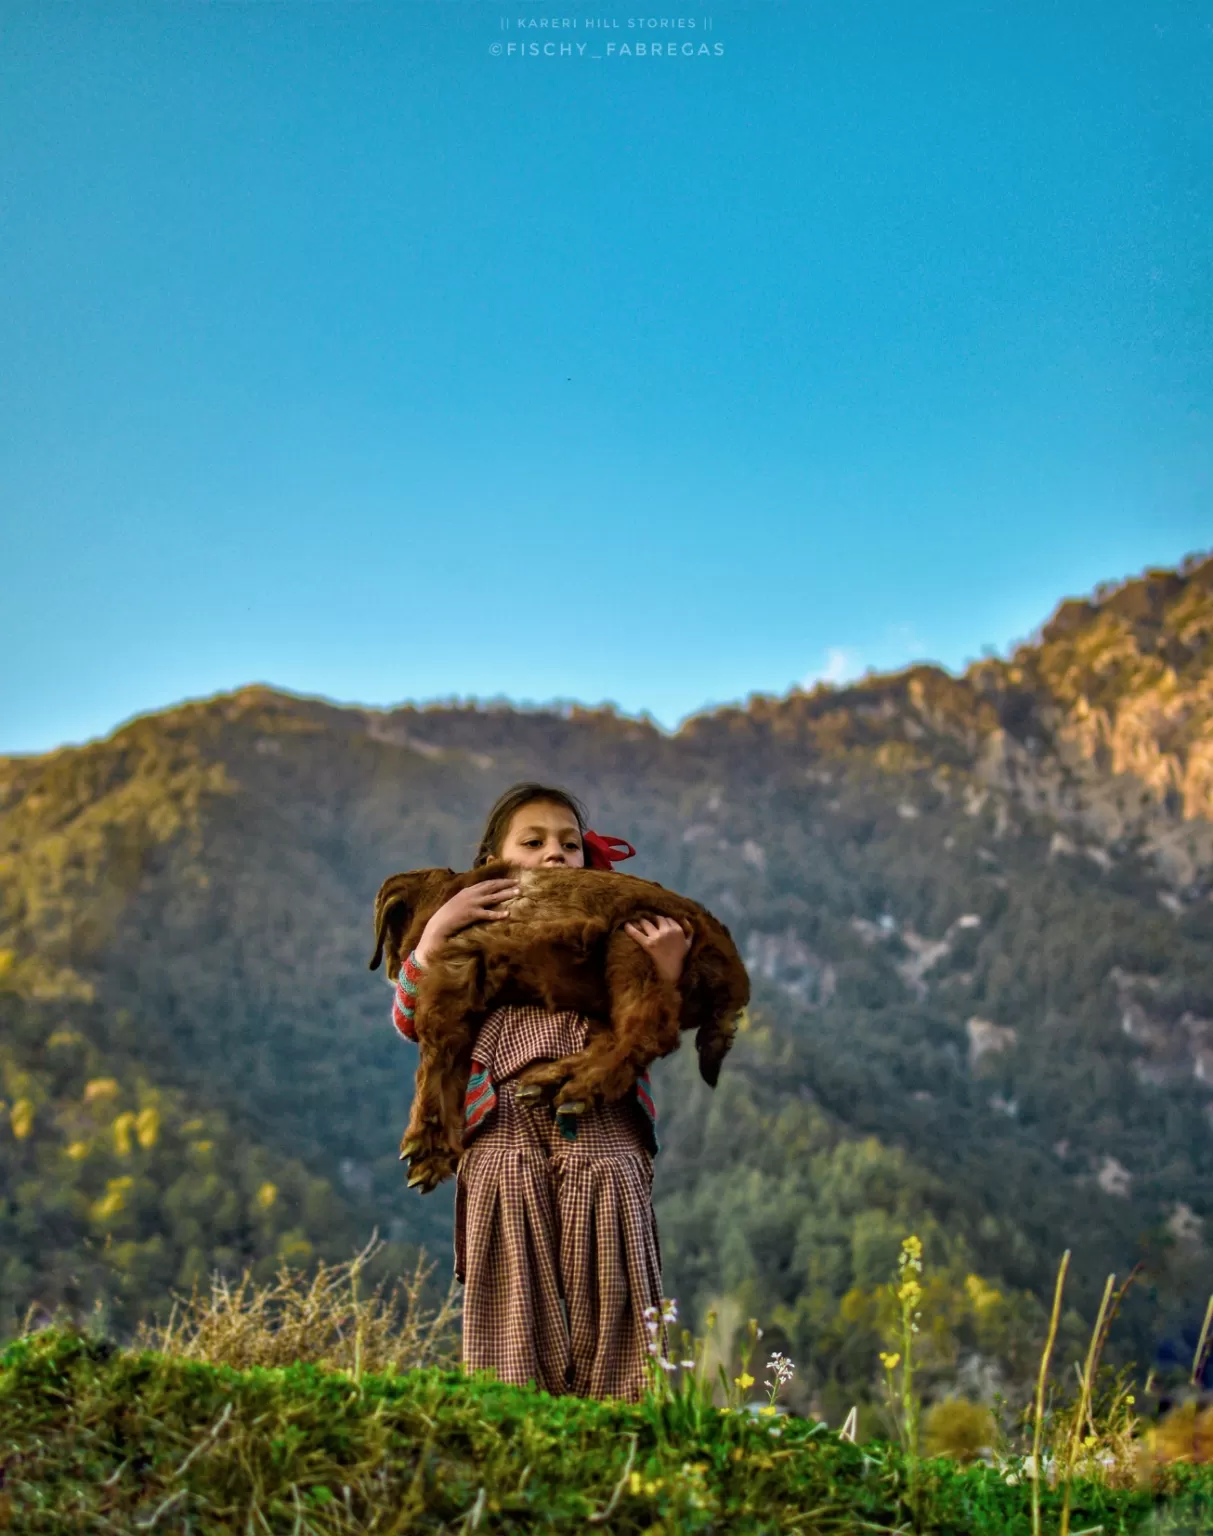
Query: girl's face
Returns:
{"type": "Point", "coordinates": [543, 834]}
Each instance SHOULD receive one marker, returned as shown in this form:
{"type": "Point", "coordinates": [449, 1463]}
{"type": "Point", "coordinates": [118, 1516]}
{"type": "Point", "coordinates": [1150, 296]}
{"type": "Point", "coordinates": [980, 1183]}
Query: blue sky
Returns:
{"type": "Point", "coordinates": [342, 353]}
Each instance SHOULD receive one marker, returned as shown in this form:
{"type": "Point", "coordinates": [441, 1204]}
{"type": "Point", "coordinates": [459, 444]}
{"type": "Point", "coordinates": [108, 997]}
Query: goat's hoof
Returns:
{"type": "Point", "coordinates": [528, 1093]}
{"type": "Point", "coordinates": [410, 1147]}
{"type": "Point", "coordinates": [428, 1178]}
{"type": "Point", "coordinates": [572, 1107]}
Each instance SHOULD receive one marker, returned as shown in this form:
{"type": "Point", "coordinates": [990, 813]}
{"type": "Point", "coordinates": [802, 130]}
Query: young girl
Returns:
{"type": "Point", "coordinates": [555, 1238]}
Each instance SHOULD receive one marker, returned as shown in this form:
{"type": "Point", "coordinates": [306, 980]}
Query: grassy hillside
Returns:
{"type": "Point", "coordinates": [976, 911]}
{"type": "Point", "coordinates": [101, 1438]}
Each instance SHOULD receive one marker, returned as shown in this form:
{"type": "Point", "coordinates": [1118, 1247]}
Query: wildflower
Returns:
{"type": "Point", "coordinates": [669, 1310]}
{"type": "Point", "coordinates": [650, 1314]}
{"type": "Point", "coordinates": [890, 1362]}
{"type": "Point", "coordinates": [745, 1381]}
{"type": "Point", "coordinates": [781, 1369]}
{"type": "Point", "coordinates": [687, 1365]}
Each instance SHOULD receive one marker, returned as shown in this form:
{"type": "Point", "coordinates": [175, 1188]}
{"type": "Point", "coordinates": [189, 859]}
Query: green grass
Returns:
{"type": "Point", "coordinates": [96, 1438]}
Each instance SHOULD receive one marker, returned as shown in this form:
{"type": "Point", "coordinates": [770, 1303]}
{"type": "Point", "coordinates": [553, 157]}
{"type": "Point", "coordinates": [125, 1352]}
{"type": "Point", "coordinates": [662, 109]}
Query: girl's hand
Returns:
{"type": "Point", "coordinates": [474, 904]}
{"type": "Point", "coordinates": [665, 941]}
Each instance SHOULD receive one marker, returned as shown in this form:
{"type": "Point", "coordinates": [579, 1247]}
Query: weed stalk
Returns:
{"type": "Point", "coordinates": [1083, 1408]}
{"type": "Point", "coordinates": [1198, 1359]}
{"type": "Point", "coordinates": [1039, 1417]}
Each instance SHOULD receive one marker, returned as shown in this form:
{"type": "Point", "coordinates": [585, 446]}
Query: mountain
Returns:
{"type": "Point", "coordinates": [976, 910]}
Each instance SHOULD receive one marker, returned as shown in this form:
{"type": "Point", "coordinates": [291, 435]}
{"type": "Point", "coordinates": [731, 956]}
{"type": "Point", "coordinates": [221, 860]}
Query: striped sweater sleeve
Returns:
{"type": "Point", "coordinates": [404, 1002]}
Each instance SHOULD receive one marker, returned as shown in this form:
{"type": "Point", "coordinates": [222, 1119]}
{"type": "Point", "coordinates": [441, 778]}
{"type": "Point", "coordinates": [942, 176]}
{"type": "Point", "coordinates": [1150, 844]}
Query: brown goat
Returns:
{"type": "Point", "coordinates": [562, 947]}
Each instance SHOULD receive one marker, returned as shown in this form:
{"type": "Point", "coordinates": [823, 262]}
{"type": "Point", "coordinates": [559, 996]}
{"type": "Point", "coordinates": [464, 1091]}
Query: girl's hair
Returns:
{"type": "Point", "coordinates": [512, 801]}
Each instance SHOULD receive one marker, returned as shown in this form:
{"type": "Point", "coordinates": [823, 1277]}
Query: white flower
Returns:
{"type": "Point", "coordinates": [781, 1369]}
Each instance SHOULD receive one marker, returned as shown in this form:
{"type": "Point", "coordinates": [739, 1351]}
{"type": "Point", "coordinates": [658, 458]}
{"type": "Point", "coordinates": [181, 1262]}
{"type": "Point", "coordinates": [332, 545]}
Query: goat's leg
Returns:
{"type": "Point", "coordinates": [426, 1144]}
{"type": "Point", "coordinates": [540, 1081]}
{"type": "Point", "coordinates": [447, 1016]}
{"type": "Point", "coordinates": [644, 1025]}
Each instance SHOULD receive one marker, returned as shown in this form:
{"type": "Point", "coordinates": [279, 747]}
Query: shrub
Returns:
{"type": "Point", "coordinates": [958, 1429]}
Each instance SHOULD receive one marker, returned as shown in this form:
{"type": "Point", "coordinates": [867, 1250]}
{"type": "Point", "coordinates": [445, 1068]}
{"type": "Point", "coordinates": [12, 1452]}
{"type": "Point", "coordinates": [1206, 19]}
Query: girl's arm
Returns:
{"type": "Point", "coordinates": [474, 904]}
{"type": "Point", "coordinates": [404, 1003]}
{"type": "Point", "coordinates": [665, 941]}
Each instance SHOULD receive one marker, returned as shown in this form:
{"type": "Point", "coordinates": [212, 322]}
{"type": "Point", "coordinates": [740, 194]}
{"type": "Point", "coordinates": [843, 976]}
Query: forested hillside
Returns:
{"type": "Point", "coordinates": [976, 911]}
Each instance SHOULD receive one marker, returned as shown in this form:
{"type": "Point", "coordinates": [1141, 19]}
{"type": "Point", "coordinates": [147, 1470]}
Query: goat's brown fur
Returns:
{"type": "Point", "coordinates": [562, 947]}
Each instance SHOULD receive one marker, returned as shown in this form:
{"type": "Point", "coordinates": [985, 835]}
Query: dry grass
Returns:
{"type": "Point", "coordinates": [324, 1321]}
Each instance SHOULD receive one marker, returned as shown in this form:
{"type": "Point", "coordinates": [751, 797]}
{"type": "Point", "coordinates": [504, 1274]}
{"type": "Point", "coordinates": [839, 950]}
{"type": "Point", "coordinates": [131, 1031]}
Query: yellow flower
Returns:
{"type": "Point", "coordinates": [912, 1247]}
{"type": "Point", "coordinates": [745, 1381]}
{"type": "Point", "coordinates": [890, 1362]}
{"type": "Point", "coordinates": [147, 1126]}
{"type": "Point", "coordinates": [113, 1202]}
{"type": "Point", "coordinates": [21, 1118]}
{"type": "Point", "coordinates": [910, 1293]}
{"type": "Point", "coordinates": [122, 1128]}
{"type": "Point", "coordinates": [266, 1195]}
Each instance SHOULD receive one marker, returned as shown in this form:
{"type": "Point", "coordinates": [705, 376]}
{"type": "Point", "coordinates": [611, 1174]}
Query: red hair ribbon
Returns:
{"type": "Point", "coordinates": [601, 852]}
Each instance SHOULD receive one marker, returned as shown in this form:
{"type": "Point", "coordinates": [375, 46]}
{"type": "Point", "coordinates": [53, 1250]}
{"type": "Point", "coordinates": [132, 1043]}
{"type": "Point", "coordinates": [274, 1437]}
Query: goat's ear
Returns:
{"type": "Point", "coordinates": [398, 901]}
{"type": "Point", "coordinates": [395, 905]}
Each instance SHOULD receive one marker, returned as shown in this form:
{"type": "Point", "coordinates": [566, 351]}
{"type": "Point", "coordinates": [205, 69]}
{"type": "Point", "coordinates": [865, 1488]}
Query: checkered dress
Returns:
{"type": "Point", "coordinates": [555, 1238]}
